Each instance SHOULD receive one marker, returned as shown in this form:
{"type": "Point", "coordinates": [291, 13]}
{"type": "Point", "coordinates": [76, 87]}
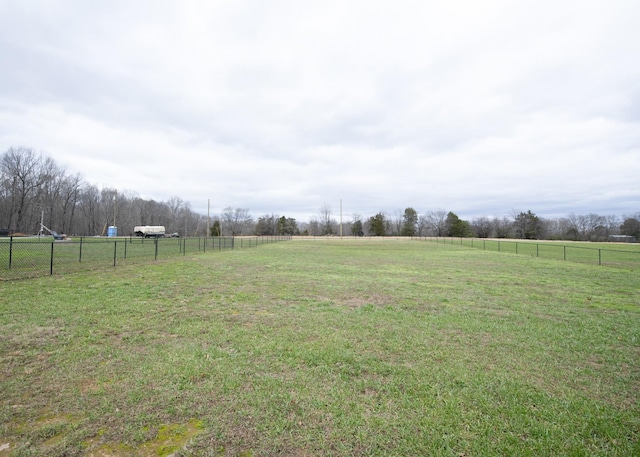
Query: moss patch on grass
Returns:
{"type": "Point", "coordinates": [169, 439]}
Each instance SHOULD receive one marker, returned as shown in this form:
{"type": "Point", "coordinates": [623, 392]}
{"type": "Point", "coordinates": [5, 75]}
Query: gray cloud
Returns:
{"type": "Point", "coordinates": [283, 106]}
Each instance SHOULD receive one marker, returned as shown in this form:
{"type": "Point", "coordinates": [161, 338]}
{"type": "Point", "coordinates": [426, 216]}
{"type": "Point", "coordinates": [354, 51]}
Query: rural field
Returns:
{"type": "Point", "coordinates": [332, 347]}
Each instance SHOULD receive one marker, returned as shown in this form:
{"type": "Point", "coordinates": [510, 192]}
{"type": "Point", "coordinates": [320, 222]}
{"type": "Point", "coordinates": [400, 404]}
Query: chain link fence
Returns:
{"type": "Point", "coordinates": [622, 257]}
{"type": "Point", "coordinates": [27, 257]}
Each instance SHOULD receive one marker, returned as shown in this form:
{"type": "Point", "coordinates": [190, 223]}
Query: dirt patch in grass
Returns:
{"type": "Point", "coordinates": [360, 301]}
{"type": "Point", "coordinates": [5, 448]}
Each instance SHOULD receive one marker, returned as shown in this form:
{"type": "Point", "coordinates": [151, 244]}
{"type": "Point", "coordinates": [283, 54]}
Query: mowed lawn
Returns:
{"type": "Point", "coordinates": [332, 347]}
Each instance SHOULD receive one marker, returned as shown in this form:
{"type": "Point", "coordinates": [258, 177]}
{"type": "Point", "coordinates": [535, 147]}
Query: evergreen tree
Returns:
{"type": "Point", "coordinates": [631, 227]}
{"type": "Point", "coordinates": [409, 222]}
{"type": "Point", "coordinates": [378, 224]}
{"type": "Point", "coordinates": [528, 226]}
{"type": "Point", "coordinates": [216, 230]}
{"type": "Point", "coordinates": [357, 228]}
{"type": "Point", "coordinates": [456, 227]}
{"type": "Point", "coordinates": [266, 225]}
{"type": "Point", "coordinates": [287, 226]}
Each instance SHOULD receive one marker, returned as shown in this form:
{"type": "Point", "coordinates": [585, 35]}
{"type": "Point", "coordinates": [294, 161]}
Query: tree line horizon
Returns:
{"type": "Point", "coordinates": [34, 189]}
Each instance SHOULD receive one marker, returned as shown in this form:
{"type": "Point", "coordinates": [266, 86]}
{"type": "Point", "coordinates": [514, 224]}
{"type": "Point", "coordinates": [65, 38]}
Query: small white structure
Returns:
{"type": "Point", "coordinates": [622, 238]}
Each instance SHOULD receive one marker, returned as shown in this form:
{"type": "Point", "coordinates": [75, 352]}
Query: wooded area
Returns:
{"type": "Point", "coordinates": [34, 189]}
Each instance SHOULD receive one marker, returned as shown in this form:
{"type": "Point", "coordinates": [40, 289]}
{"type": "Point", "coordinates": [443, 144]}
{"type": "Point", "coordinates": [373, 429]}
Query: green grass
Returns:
{"type": "Point", "coordinates": [32, 257]}
{"type": "Point", "coordinates": [623, 255]}
{"type": "Point", "coordinates": [324, 348]}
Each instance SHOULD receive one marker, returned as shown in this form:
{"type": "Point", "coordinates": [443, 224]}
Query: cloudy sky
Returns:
{"type": "Point", "coordinates": [282, 106]}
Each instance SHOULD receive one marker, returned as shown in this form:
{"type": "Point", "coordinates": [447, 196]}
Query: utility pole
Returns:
{"type": "Point", "coordinates": [340, 218]}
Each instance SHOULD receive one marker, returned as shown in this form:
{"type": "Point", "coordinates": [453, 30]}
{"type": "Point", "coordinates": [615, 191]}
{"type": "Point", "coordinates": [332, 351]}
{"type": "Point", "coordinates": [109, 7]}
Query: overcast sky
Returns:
{"type": "Point", "coordinates": [482, 108]}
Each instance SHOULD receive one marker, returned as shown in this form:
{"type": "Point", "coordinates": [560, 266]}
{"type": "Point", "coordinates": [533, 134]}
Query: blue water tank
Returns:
{"type": "Point", "coordinates": [112, 231]}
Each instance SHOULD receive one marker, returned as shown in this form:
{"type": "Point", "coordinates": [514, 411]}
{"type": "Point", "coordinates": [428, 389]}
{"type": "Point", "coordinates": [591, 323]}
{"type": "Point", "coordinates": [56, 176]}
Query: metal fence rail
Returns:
{"type": "Point", "coordinates": [622, 258]}
{"type": "Point", "coordinates": [32, 257]}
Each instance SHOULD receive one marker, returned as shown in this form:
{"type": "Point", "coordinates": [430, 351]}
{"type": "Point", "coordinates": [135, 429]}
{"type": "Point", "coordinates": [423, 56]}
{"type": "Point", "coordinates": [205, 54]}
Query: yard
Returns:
{"type": "Point", "coordinates": [332, 347]}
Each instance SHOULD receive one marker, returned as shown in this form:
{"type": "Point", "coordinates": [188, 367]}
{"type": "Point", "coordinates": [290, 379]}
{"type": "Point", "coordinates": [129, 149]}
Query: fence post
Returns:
{"type": "Point", "coordinates": [10, 250]}
{"type": "Point", "coordinates": [115, 252]}
{"type": "Point", "coordinates": [599, 256]}
{"type": "Point", "coordinates": [537, 250]}
{"type": "Point", "coordinates": [51, 263]}
{"type": "Point", "coordinates": [156, 254]}
{"type": "Point", "coordinates": [564, 249]}
{"type": "Point", "coordinates": [80, 253]}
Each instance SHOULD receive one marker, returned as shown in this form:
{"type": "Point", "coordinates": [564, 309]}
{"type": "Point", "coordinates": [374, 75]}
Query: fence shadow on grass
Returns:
{"type": "Point", "coordinates": [32, 257]}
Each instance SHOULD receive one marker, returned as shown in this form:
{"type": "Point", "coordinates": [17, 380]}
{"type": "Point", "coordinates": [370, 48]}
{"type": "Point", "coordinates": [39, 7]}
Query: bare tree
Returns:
{"type": "Point", "coordinates": [436, 222]}
{"type": "Point", "coordinates": [68, 203]}
{"type": "Point", "coordinates": [109, 208]}
{"type": "Point", "coordinates": [423, 225]}
{"type": "Point", "coordinates": [312, 227]}
{"type": "Point", "coordinates": [394, 224]}
{"type": "Point", "coordinates": [50, 193]}
{"type": "Point", "coordinates": [189, 221]}
{"type": "Point", "coordinates": [482, 227]}
{"type": "Point", "coordinates": [5, 197]}
{"type": "Point", "coordinates": [235, 220]}
{"type": "Point", "coordinates": [90, 210]}
{"type": "Point", "coordinates": [612, 224]}
{"type": "Point", "coordinates": [25, 173]}
{"type": "Point", "coordinates": [502, 227]}
{"type": "Point", "coordinates": [267, 224]}
{"type": "Point", "coordinates": [327, 224]}
{"type": "Point", "coordinates": [579, 225]}
{"type": "Point", "coordinates": [175, 212]}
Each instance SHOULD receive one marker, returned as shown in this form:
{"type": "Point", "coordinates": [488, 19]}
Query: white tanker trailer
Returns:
{"type": "Point", "coordinates": [149, 231]}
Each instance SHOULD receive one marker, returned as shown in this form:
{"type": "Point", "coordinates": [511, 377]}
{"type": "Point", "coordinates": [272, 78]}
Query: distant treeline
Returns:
{"type": "Point", "coordinates": [34, 190]}
{"type": "Point", "coordinates": [521, 225]}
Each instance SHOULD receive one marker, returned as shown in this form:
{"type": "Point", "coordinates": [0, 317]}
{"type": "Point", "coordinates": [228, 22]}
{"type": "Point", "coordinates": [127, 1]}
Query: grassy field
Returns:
{"type": "Point", "coordinates": [623, 255]}
{"type": "Point", "coordinates": [31, 257]}
{"type": "Point", "coordinates": [324, 348]}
